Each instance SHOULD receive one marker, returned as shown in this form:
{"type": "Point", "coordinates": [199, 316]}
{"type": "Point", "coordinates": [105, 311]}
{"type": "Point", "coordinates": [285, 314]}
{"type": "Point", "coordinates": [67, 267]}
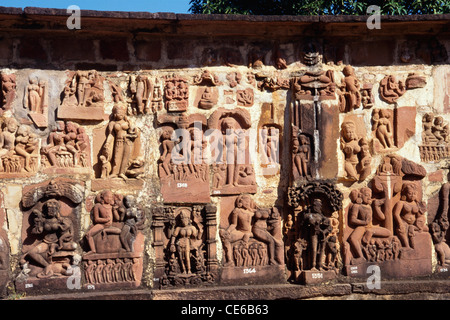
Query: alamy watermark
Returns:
{"type": "Point", "coordinates": [374, 21]}
{"type": "Point", "coordinates": [374, 280]}
{"type": "Point", "coordinates": [74, 21]}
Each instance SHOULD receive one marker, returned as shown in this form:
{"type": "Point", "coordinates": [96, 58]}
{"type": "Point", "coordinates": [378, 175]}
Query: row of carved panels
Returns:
{"type": "Point", "coordinates": [300, 242]}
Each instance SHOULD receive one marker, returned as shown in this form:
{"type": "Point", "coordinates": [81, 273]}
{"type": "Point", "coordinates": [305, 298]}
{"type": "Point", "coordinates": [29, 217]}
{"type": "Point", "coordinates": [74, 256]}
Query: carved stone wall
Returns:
{"type": "Point", "coordinates": [154, 156]}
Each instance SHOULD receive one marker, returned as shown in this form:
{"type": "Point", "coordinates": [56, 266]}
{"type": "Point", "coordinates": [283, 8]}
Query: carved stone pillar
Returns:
{"type": "Point", "coordinates": [211, 228]}
{"type": "Point", "coordinates": [158, 243]}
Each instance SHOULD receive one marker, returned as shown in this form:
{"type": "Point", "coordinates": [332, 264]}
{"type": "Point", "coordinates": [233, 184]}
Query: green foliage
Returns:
{"type": "Point", "coordinates": [318, 7]}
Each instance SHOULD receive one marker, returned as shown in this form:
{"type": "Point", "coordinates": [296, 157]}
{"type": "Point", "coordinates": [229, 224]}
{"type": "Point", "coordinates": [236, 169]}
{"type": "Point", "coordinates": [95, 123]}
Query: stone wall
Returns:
{"type": "Point", "coordinates": [110, 171]}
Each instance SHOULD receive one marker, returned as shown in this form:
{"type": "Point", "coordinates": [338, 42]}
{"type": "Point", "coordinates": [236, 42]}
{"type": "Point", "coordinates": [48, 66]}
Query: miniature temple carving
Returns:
{"type": "Point", "coordinates": [185, 245]}
{"type": "Point", "coordinates": [310, 241]}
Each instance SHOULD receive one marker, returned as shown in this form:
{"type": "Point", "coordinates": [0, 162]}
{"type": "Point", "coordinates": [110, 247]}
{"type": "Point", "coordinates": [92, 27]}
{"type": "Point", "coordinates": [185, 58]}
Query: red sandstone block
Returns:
{"type": "Point", "coordinates": [72, 49]}
{"type": "Point", "coordinates": [115, 49]}
{"type": "Point", "coordinates": [31, 48]}
{"type": "Point", "coordinates": [372, 53]}
{"type": "Point", "coordinates": [148, 50]}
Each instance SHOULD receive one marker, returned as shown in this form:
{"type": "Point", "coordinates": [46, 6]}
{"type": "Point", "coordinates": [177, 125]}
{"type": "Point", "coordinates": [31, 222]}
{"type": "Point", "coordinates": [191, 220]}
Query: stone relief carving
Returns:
{"type": "Point", "coordinates": [185, 245]}
{"type": "Point", "coordinates": [19, 148]}
{"type": "Point", "coordinates": [311, 238]}
{"type": "Point", "coordinates": [391, 89]}
{"type": "Point", "coordinates": [232, 149]}
{"type": "Point", "coordinates": [183, 167]}
{"type": "Point", "coordinates": [435, 135]}
{"type": "Point", "coordinates": [68, 146]}
{"type": "Point", "coordinates": [249, 239]}
{"type": "Point", "coordinates": [140, 88]}
{"type": "Point", "coordinates": [83, 96]}
{"type": "Point", "coordinates": [357, 153]}
{"type": "Point", "coordinates": [350, 91]}
{"type": "Point", "coordinates": [383, 128]}
{"type": "Point", "coordinates": [50, 230]}
{"type": "Point", "coordinates": [114, 242]}
{"type": "Point", "coordinates": [36, 101]}
{"type": "Point", "coordinates": [176, 94]}
{"type": "Point", "coordinates": [8, 92]}
{"type": "Point", "coordinates": [120, 154]}
{"type": "Point", "coordinates": [438, 229]}
{"type": "Point", "coordinates": [387, 224]}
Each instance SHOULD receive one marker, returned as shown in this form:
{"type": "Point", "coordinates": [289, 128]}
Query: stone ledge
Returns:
{"type": "Point", "coordinates": [389, 290]}
{"type": "Point", "coordinates": [220, 17]}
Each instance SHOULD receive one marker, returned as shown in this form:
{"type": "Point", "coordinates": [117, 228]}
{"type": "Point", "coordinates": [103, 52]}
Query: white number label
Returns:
{"type": "Point", "coordinates": [249, 270]}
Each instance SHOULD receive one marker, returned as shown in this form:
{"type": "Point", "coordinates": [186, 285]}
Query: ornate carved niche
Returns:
{"type": "Point", "coordinates": [114, 243]}
{"type": "Point", "coordinates": [391, 89]}
{"type": "Point", "coordinates": [350, 91]}
{"type": "Point", "coordinates": [176, 94]}
{"type": "Point", "coordinates": [50, 235]}
{"type": "Point", "coordinates": [435, 139]}
{"type": "Point", "coordinates": [356, 149]}
{"type": "Point", "coordinates": [183, 167]}
{"type": "Point", "coordinates": [83, 97]}
{"type": "Point", "coordinates": [386, 224]}
{"type": "Point", "coordinates": [68, 149]}
{"type": "Point", "coordinates": [439, 231]}
{"type": "Point", "coordinates": [118, 159]}
{"type": "Point", "coordinates": [36, 101]}
{"type": "Point", "coordinates": [311, 232]}
{"type": "Point", "coordinates": [252, 242]}
{"type": "Point", "coordinates": [8, 92]}
{"type": "Point", "coordinates": [230, 152]}
{"type": "Point", "coordinates": [185, 245]}
{"type": "Point", "coordinates": [19, 152]}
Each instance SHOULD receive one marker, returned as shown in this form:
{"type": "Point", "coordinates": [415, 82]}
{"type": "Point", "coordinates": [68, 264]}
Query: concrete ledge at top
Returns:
{"type": "Point", "coordinates": [102, 14]}
{"type": "Point", "coordinates": [10, 10]}
{"type": "Point", "coordinates": [221, 17]}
